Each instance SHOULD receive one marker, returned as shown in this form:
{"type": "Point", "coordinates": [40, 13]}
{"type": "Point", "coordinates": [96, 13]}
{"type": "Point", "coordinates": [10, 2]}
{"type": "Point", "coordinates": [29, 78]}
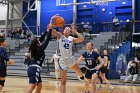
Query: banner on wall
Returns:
{"type": "Point", "coordinates": [121, 64]}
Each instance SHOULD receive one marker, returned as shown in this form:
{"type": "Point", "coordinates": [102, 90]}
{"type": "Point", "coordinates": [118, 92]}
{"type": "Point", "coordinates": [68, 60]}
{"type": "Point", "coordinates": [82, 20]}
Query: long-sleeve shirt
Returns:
{"type": "Point", "coordinates": [39, 58]}
{"type": "Point", "coordinates": [3, 58]}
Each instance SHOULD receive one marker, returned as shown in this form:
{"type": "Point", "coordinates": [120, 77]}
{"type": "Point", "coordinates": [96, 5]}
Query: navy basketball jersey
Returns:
{"type": "Point", "coordinates": [90, 59]}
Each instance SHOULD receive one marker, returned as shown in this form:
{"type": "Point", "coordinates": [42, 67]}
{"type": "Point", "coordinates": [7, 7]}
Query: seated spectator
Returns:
{"type": "Point", "coordinates": [116, 23]}
{"type": "Point", "coordinates": [133, 72]}
{"type": "Point", "coordinates": [2, 34]}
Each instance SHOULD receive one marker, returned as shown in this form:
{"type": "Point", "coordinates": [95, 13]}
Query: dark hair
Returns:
{"type": "Point", "coordinates": [91, 43]}
{"type": "Point", "coordinates": [105, 49]}
{"type": "Point", "coordinates": [33, 47]}
{"type": "Point", "coordinates": [2, 39]}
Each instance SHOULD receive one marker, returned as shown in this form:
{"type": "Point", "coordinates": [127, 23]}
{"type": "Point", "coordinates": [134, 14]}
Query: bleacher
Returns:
{"type": "Point", "coordinates": [19, 68]}
{"type": "Point", "coordinates": [101, 41]}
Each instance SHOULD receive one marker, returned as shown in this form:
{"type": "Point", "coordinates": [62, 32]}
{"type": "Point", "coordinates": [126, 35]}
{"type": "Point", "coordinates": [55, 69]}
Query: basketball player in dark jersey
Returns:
{"type": "Point", "coordinates": [92, 72]}
{"type": "Point", "coordinates": [104, 69]}
{"type": "Point", "coordinates": [36, 50]}
{"type": "Point", "coordinates": [4, 60]}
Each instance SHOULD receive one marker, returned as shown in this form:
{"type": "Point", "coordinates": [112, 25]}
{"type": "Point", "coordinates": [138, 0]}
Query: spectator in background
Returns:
{"type": "Point", "coordinates": [133, 71]}
{"type": "Point", "coordinates": [4, 61]}
{"type": "Point", "coordinates": [104, 70]}
{"type": "Point", "coordinates": [116, 23]}
{"type": "Point", "coordinates": [2, 34]}
{"type": "Point", "coordinates": [22, 36]}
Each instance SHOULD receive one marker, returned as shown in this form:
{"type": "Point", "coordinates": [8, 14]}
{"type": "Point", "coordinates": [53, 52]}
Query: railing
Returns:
{"type": "Point", "coordinates": [137, 26]}
{"type": "Point", "coordinates": [47, 66]}
{"type": "Point", "coordinates": [20, 32]}
{"type": "Point", "coordinates": [8, 50]}
{"type": "Point", "coordinates": [115, 41]}
{"type": "Point", "coordinates": [18, 43]}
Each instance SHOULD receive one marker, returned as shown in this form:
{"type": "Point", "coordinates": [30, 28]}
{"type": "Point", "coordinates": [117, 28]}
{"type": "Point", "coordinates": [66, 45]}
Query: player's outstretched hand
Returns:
{"type": "Point", "coordinates": [50, 26]}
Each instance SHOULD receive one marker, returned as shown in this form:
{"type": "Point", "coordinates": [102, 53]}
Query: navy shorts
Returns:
{"type": "Point", "coordinates": [103, 69]}
{"type": "Point", "coordinates": [3, 73]}
{"type": "Point", "coordinates": [89, 73]}
{"type": "Point", "coordinates": [34, 74]}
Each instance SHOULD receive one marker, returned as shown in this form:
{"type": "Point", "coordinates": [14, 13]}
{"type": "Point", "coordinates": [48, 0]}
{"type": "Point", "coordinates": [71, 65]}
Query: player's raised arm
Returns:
{"type": "Point", "coordinates": [80, 38]}
{"type": "Point", "coordinates": [54, 32]}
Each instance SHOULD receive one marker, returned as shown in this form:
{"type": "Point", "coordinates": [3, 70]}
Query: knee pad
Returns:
{"type": "Point", "coordinates": [2, 82]}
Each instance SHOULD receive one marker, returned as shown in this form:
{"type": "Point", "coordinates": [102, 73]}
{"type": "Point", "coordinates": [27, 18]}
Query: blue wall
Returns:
{"type": "Point", "coordinates": [94, 13]}
{"type": "Point", "coordinates": [30, 19]}
{"type": "Point", "coordinates": [126, 50]}
{"type": "Point", "coordinates": [49, 8]}
{"type": "Point", "coordinates": [137, 9]}
{"type": "Point", "coordinates": [137, 15]}
{"type": "Point", "coordinates": [117, 8]}
{"type": "Point", "coordinates": [91, 14]}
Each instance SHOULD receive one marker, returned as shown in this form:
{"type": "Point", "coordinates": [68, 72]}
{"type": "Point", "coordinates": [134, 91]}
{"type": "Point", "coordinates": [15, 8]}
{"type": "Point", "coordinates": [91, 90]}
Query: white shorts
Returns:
{"type": "Point", "coordinates": [67, 62]}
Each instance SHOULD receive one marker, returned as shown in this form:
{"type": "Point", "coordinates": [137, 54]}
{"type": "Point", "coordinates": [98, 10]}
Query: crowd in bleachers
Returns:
{"type": "Point", "coordinates": [19, 33]}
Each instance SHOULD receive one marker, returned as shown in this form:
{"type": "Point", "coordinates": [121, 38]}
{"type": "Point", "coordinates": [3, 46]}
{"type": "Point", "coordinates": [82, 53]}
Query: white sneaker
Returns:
{"type": "Point", "coordinates": [99, 87]}
{"type": "Point", "coordinates": [111, 89]}
{"type": "Point", "coordinates": [57, 83]}
{"type": "Point", "coordinates": [86, 92]}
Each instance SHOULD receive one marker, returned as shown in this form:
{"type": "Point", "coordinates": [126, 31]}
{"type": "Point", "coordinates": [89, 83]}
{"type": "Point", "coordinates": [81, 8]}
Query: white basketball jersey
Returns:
{"type": "Point", "coordinates": [65, 46]}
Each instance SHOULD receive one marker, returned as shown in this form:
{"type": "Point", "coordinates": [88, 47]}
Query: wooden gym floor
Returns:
{"type": "Point", "coordinates": [19, 84]}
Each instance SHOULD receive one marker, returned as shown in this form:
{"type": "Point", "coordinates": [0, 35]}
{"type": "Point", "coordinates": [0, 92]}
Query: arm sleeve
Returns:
{"type": "Point", "coordinates": [45, 44]}
{"type": "Point", "coordinates": [96, 55]}
{"type": "Point", "coordinates": [42, 36]}
{"type": "Point", "coordinates": [108, 57]}
{"type": "Point", "coordinates": [84, 54]}
{"type": "Point", "coordinates": [4, 55]}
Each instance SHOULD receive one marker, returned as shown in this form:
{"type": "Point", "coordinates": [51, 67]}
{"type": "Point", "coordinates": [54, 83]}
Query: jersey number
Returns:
{"type": "Point", "coordinates": [89, 62]}
{"type": "Point", "coordinates": [66, 45]}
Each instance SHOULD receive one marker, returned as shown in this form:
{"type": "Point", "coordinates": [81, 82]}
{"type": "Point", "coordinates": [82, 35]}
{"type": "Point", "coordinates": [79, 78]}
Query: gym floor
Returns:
{"type": "Point", "coordinates": [19, 84]}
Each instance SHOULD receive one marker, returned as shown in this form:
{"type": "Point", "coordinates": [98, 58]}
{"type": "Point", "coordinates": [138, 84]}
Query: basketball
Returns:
{"type": "Point", "coordinates": [58, 21]}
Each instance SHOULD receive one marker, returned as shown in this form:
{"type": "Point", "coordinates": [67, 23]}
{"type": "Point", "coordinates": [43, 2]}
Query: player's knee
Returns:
{"type": "Point", "coordinates": [2, 82]}
{"type": "Point", "coordinates": [93, 83]}
{"type": "Point", "coordinates": [63, 82]}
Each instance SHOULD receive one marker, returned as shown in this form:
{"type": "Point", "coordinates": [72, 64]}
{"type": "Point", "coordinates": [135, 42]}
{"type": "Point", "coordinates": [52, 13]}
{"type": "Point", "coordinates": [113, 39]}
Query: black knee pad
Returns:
{"type": "Point", "coordinates": [2, 82]}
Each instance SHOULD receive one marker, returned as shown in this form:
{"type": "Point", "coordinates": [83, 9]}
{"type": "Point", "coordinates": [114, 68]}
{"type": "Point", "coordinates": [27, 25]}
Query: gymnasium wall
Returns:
{"type": "Point", "coordinates": [137, 9]}
{"type": "Point", "coordinates": [3, 11]}
{"type": "Point", "coordinates": [94, 14]}
{"type": "Point", "coordinates": [122, 11]}
{"type": "Point", "coordinates": [120, 64]}
{"type": "Point", "coordinates": [91, 13]}
{"type": "Point", "coordinates": [49, 8]}
{"type": "Point", "coordinates": [137, 16]}
{"type": "Point", "coordinates": [15, 22]}
{"type": "Point", "coordinates": [30, 19]}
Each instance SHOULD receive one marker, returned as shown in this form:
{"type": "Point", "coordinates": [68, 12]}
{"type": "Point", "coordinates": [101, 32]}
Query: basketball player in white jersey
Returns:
{"type": "Point", "coordinates": [55, 59]}
{"type": "Point", "coordinates": [65, 46]}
